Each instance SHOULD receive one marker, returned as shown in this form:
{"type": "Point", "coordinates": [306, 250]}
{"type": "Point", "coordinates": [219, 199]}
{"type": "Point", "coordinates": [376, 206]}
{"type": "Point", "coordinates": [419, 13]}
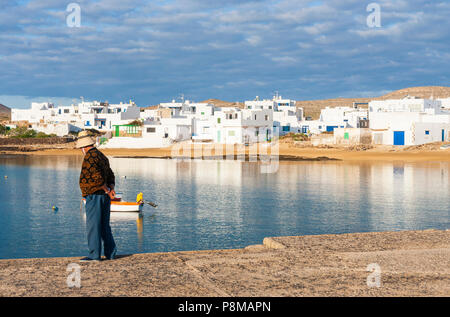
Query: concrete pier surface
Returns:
{"type": "Point", "coordinates": [405, 263]}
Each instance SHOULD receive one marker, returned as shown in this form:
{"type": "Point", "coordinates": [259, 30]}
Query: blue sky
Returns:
{"type": "Point", "coordinates": [153, 51]}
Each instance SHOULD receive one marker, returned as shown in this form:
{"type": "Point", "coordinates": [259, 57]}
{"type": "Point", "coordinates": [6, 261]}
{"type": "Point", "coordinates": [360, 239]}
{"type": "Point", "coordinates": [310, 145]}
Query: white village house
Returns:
{"type": "Point", "coordinates": [194, 122]}
{"type": "Point", "coordinates": [61, 120]}
{"type": "Point", "coordinates": [337, 117]}
{"type": "Point", "coordinates": [286, 116]}
{"type": "Point", "coordinates": [408, 121]}
{"type": "Point", "coordinates": [153, 133]}
{"type": "Point", "coordinates": [39, 112]}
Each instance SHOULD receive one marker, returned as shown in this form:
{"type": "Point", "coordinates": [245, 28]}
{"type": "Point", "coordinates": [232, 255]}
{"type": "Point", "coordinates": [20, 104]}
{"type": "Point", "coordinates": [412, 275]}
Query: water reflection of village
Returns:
{"type": "Point", "coordinates": [208, 201]}
{"type": "Point", "coordinates": [378, 193]}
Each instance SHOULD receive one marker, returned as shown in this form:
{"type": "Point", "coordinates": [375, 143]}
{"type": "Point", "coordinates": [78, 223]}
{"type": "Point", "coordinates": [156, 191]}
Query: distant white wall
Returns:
{"type": "Point", "coordinates": [445, 103]}
{"type": "Point", "coordinates": [352, 136]}
{"type": "Point", "coordinates": [405, 105]}
{"type": "Point", "coordinates": [136, 143]}
{"type": "Point", "coordinates": [60, 129]}
{"type": "Point", "coordinates": [425, 132]}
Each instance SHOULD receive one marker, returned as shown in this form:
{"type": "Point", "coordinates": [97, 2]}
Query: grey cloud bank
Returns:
{"type": "Point", "coordinates": [152, 51]}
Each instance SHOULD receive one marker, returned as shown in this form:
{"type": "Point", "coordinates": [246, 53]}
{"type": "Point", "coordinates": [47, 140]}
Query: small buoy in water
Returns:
{"type": "Point", "coordinates": [6, 176]}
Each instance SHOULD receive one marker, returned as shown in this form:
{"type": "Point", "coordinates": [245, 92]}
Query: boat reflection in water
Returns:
{"type": "Point", "coordinates": [138, 217]}
{"type": "Point", "coordinates": [118, 218]}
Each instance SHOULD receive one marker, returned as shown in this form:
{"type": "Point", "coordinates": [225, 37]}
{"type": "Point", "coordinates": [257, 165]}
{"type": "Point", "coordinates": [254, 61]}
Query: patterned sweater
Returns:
{"type": "Point", "coordinates": [95, 172]}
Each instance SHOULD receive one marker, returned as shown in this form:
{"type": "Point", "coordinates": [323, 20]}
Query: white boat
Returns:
{"type": "Point", "coordinates": [126, 206]}
{"type": "Point", "coordinates": [117, 205]}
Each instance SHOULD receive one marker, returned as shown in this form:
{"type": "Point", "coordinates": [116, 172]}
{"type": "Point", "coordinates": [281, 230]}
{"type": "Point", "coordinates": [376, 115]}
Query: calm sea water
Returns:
{"type": "Point", "coordinates": [216, 204]}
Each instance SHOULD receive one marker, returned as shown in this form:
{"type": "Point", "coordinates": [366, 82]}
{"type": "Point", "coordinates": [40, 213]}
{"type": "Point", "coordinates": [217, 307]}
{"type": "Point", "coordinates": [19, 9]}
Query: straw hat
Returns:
{"type": "Point", "coordinates": [84, 139]}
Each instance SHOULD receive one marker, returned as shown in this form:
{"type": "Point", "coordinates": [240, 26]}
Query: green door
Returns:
{"type": "Point", "coordinates": [117, 130]}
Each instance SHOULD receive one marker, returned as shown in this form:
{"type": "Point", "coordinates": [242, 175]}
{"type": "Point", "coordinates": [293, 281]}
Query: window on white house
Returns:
{"type": "Point", "coordinates": [151, 130]}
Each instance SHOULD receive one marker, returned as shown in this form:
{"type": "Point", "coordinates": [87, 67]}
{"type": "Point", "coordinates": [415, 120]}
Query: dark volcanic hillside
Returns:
{"type": "Point", "coordinates": [5, 113]}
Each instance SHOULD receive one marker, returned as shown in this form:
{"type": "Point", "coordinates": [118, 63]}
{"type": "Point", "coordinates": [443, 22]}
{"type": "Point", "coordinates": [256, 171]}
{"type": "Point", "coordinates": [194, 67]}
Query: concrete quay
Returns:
{"type": "Point", "coordinates": [404, 263]}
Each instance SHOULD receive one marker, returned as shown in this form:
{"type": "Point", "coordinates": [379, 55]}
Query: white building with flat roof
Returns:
{"type": "Point", "coordinates": [39, 112]}
{"type": "Point", "coordinates": [258, 104]}
{"type": "Point", "coordinates": [408, 121]}
{"type": "Point", "coordinates": [342, 117]}
{"type": "Point", "coordinates": [445, 103]}
{"type": "Point", "coordinates": [407, 104]}
{"type": "Point", "coordinates": [234, 126]}
{"type": "Point", "coordinates": [286, 116]}
{"type": "Point", "coordinates": [59, 129]}
{"type": "Point", "coordinates": [336, 117]}
{"type": "Point", "coordinates": [85, 115]}
{"type": "Point", "coordinates": [243, 126]}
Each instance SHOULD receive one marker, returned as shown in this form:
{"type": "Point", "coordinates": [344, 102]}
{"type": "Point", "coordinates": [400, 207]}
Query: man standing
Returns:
{"type": "Point", "coordinates": [97, 187]}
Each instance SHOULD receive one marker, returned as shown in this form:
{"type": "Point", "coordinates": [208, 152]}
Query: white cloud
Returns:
{"type": "Point", "coordinates": [284, 59]}
{"type": "Point", "coordinates": [254, 40]}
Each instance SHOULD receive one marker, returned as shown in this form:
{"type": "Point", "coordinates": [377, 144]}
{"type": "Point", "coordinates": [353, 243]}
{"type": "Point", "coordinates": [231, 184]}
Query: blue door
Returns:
{"type": "Point", "coordinates": [399, 137]}
{"type": "Point", "coordinates": [330, 128]}
{"type": "Point", "coordinates": [443, 135]}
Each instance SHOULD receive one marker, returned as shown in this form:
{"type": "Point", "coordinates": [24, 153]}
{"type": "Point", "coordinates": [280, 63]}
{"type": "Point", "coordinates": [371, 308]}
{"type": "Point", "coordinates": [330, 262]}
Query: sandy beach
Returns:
{"type": "Point", "coordinates": [286, 152]}
{"type": "Point", "coordinates": [409, 263]}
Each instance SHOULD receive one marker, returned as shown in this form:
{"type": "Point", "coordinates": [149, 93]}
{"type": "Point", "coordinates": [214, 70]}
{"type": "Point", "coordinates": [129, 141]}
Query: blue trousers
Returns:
{"type": "Point", "coordinates": [98, 208]}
